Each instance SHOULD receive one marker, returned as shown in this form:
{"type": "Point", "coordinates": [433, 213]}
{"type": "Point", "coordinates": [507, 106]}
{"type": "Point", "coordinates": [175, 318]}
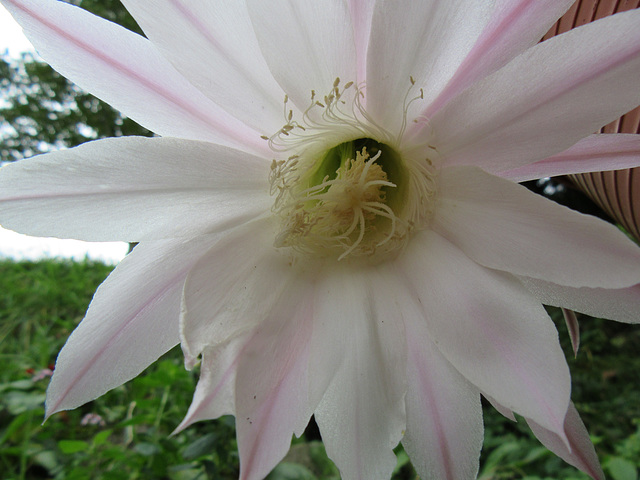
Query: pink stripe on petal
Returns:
{"type": "Point", "coordinates": [573, 326]}
{"type": "Point", "coordinates": [518, 115]}
{"type": "Point", "coordinates": [579, 452]}
{"type": "Point", "coordinates": [102, 353]}
{"type": "Point", "coordinates": [272, 380]}
{"type": "Point", "coordinates": [496, 334]}
{"type": "Point", "coordinates": [516, 26]}
{"type": "Point", "coordinates": [594, 153]}
{"type": "Point", "coordinates": [444, 417]}
{"type": "Point", "coordinates": [136, 80]}
{"type": "Point", "coordinates": [207, 52]}
{"type": "Point", "coordinates": [361, 12]}
{"type": "Point", "coordinates": [215, 392]}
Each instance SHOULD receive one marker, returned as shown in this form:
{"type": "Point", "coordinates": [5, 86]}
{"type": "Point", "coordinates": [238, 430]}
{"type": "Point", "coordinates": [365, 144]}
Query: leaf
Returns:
{"type": "Point", "coordinates": [146, 449]}
{"type": "Point", "coordinates": [291, 471]}
{"type": "Point", "coordinates": [101, 437]}
{"type": "Point", "coordinates": [72, 446]}
{"type": "Point", "coordinates": [621, 469]}
{"type": "Point", "coordinates": [202, 446]}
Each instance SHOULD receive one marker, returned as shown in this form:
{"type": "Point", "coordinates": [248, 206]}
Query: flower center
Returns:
{"type": "Point", "coordinates": [342, 204]}
{"type": "Point", "coordinates": [358, 199]}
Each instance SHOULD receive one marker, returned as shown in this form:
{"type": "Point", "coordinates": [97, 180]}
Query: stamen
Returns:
{"type": "Point", "coordinates": [325, 217]}
{"type": "Point", "coordinates": [353, 123]}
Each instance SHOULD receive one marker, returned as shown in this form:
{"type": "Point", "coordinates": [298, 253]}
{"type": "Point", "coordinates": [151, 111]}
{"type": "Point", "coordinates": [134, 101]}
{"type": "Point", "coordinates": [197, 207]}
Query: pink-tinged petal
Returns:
{"type": "Point", "coordinates": [361, 12]}
{"type": "Point", "coordinates": [581, 455]}
{"type": "Point", "coordinates": [622, 305]}
{"type": "Point", "coordinates": [502, 410]}
{"type": "Point", "coordinates": [137, 306]}
{"type": "Point", "coordinates": [232, 287]}
{"type": "Point", "coordinates": [215, 393]}
{"type": "Point", "coordinates": [127, 71]}
{"type": "Point", "coordinates": [504, 226]}
{"type": "Point", "coordinates": [423, 40]}
{"type": "Point", "coordinates": [207, 51]}
{"type": "Point", "coordinates": [490, 328]}
{"type": "Point", "coordinates": [261, 377]}
{"type": "Point", "coordinates": [571, 320]}
{"type": "Point", "coordinates": [444, 414]}
{"type": "Point", "coordinates": [546, 99]}
{"type": "Point", "coordinates": [358, 350]}
{"type": "Point", "coordinates": [307, 45]}
{"type": "Point", "coordinates": [272, 381]}
{"type": "Point", "coordinates": [514, 26]}
{"type": "Point", "coordinates": [594, 153]}
{"type": "Point", "coordinates": [133, 189]}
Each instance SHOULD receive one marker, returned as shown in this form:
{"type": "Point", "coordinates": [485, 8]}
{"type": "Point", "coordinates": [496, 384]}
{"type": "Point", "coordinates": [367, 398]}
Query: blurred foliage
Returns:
{"type": "Point", "coordinates": [42, 111]}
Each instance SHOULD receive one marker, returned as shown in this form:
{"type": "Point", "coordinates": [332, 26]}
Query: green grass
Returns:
{"type": "Point", "coordinates": [40, 304]}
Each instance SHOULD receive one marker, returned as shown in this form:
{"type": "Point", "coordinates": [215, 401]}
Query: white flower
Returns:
{"type": "Point", "coordinates": [373, 262]}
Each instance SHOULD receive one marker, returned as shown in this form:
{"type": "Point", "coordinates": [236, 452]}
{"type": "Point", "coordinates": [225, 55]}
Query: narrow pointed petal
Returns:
{"type": "Point", "coordinates": [573, 327]}
{"type": "Point", "coordinates": [127, 71]}
{"type": "Point", "coordinates": [622, 305]}
{"type": "Point", "coordinates": [495, 332]}
{"type": "Point", "coordinates": [261, 377]}
{"type": "Point", "coordinates": [272, 381]}
{"type": "Point", "coordinates": [595, 153]}
{"type": "Point", "coordinates": [215, 393]}
{"type": "Point", "coordinates": [504, 226]}
{"type": "Point", "coordinates": [514, 26]}
{"type": "Point", "coordinates": [582, 455]}
{"type": "Point", "coordinates": [546, 99]}
{"type": "Point", "coordinates": [502, 410]}
{"type": "Point", "coordinates": [288, 34]}
{"type": "Point", "coordinates": [232, 73]}
{"type": "Point", "coordinates": [137, 305]}
{"type": "Point", "coordinates": [245, 267]}
{"type": "Point", "coordinates": [358, 339]}
{"type": "Point", "coordinates": [423, 40]}
{"type": "Point", "coordinates": [444, 415]}
{"type": "Point", "coordinates": [159, 187]}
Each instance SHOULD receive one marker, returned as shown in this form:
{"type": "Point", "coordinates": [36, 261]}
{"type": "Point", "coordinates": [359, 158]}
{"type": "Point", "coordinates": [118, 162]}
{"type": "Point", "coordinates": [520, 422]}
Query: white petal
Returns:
{"type": "Point", "coordinates": [213, 45]}
{"type": "Point", "coordinates": [622, 305]}
{"type": "Point", "coordinates": [423, 40]}
{"type": "Point", "coordinates": [132, 189]}
{"type": "Point", "coordinates": [502, 225]}
{"type": "Point", "coordinates": [502, 410]}
{"type": "Point", "coordinates": [573, 327]}
{"type": "Point", "coordinates": [126, 70]}
{"type": "Point", "coordinates": [261, 377]}
{"type": "Point", "coordinates": [444, 415]}
{"type": "Point", "coordinates": [515, 25]}
{"type": "Point", "coordinates": [595, 153]}
{"type": "Point", "coordinates": [232, 287]}
{"type": "Point", "coordinates": [307, 45]}
{"type": "Point", "coordinates": [490, 328]}
{"type": "Point", "coordinates": [215, 393]}
{"type": "Point", "coordinates": [272, 381]}
{"type": "Point", "coordinates": [582, 455]}
{"type": "Point", "coordinates": [132, 320]}
{"type": "Point", "coordinates": [546, 99]}
{"type": "Point", "coordinates": [361, 12]}
{"type": "Point", "coordinates": [358, 345]}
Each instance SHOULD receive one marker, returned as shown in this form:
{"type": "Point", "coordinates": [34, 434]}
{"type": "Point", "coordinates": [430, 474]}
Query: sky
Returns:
{"type": "Point", "coordinates": [22, 247]}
